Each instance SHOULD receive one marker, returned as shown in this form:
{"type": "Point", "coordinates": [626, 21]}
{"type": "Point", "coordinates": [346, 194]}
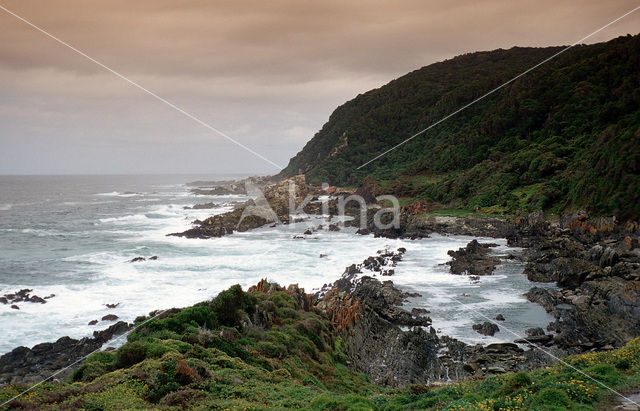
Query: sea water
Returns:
{"type": "Point", "coordinates": [74, 236]}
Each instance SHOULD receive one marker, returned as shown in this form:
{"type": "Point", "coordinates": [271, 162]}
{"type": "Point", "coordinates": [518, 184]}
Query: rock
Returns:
{"type": "Point", "coordinates": [630, 243]}
{"type": "Point", "coordinates": [363, 231]}
{"type": "Point", "coordinates": [93, 322]}
{"type": "Point", "coordinates": [205, 206]}
{"type": "Point", "coordinates": [544, 339]}
{"type": "Point", "coordinates": [29, 365]}
{"type": "Point", "coordinates": [486, 328]}
{"type": "Point", "coordinates": [137, 259]}
{"type": "Point", "coordinates": [110, 317]}
{"type": "Point", "coordinates": [473, 259]}
{"type": "Point", "coordinates": [534, 332]}
{"type": "Point", "coordinates": [22, 296]}
{"type": "Point", "coordinates": [308, 232]}
{"type": "Point", "coordinates": [323, 255]}
{"type": "Point", "coordinates": [333, 227]}
{"type": "Point", "coordinates": [499, 317]}
{"type": "Point", "coordinates": [250, 215]}
{"type": "Point", "coordinates": [366, 191]}
{"type": "Point", "coordinates": [609, 257]}
{"type": "Point", "coordinates": [153, 258]}
{"type": "Point", "coordinates": [112, 305]}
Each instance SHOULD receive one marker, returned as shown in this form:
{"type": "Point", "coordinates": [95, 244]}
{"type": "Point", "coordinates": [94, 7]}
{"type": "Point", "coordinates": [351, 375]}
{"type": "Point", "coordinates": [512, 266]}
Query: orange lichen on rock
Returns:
{"type": "Point", "coordinates": [417, 207]}
{"type": "Point", "coordinates": [260, 287]}
{"type": "Point", "coordinates": [345, 314]}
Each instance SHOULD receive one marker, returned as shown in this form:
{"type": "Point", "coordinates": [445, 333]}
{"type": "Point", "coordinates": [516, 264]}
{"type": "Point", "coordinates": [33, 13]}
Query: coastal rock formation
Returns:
{"type": "Point", "coordinates": [23, 295]}
{"type": "Point", "coordinates": [29, 365]}
{"type": "Point", "coordinates": [251, 214]}
{"type": "Point", "coordinates": [473, 259]}
{"type": "Point", "coordinates": [486, 328]}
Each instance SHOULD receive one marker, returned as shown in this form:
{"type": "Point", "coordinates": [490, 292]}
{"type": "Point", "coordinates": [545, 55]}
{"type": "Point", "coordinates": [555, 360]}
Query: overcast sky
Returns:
{"type": "Point", "coordinates": [266, 73]}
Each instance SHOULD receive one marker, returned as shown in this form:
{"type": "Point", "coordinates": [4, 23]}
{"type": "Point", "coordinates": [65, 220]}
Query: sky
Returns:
{"type": "Point", "coordinates": [266, 74]}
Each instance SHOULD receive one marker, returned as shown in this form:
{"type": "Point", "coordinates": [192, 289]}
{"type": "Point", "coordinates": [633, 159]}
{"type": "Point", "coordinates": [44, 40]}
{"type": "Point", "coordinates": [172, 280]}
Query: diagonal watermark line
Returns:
{"type": "Point", "coordinates": [560, 360]}
{"type": "Point", "coordinates": [137, 85]}
{"type": "Point", "coordinates": [497, 88]}
{"type": "Point", "coordinates": [81, 358]}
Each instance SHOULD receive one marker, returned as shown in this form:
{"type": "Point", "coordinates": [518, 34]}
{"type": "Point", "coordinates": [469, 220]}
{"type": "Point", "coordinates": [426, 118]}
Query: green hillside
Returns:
{"type": "Point", "coordinates": [562, 137]}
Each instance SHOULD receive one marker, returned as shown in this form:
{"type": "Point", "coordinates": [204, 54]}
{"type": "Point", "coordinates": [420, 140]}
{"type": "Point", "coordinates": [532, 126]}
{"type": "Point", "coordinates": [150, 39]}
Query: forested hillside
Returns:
{"type": "Point", "coordinates": [562, 137]}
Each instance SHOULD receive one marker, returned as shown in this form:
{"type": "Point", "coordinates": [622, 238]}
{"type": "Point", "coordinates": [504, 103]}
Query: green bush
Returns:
{"type": "Point", "coordinates": [271, 350]}
{"type": "Point", "coordinates": [515, 382]}
{"type": "Point", "coordinates": [551, 397]}
{"type": "Point", "coordinates": [228, 304]}
{"type": "Point", "coordinates": [130, 354]}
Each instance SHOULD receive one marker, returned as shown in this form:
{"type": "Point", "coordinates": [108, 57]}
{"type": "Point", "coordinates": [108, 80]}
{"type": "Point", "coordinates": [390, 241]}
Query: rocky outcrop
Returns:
{"type": "Point", "coordinates": [474, 259]}
{"type": "Point", "coordinates": [29, 365]}
{"type": "Point", "coordinates": [486, 328]}
{"type": "Point", "coordinates": [393, 346]}
{"type": "Point", "coordinates": [23, 296]}
{"type": "Point", "coordinates": [253, 213]}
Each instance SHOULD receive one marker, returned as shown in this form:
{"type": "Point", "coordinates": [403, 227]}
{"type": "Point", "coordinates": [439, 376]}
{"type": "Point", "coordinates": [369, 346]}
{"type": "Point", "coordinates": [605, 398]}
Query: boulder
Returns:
{"type": "Point", "coordinates": [473, 259]}
{"type": "Point", "coordinates": [486, 328]}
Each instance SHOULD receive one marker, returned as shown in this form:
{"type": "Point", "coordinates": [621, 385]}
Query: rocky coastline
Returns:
{"type": "Point", "coordinates": [594, 261]}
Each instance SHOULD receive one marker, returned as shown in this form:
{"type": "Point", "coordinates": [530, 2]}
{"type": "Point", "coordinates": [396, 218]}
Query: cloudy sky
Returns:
{"type": "Point", "coordinates": [268, 74]}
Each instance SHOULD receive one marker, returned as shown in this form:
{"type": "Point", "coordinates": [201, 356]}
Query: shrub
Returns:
{"type": "Point", "coordinates": [227, 304]}
{"type": "Point", "coordinates": [605, 373]}
{"type": "Point", "coordinates": [129, 354]}
{"type": "Point", "coordinates": [551, 397]}
{"type": "Point", "coordinates": [623, 364]}
{"type": "Point", "coordinates": [271, 350]}
{"type": "Point", "coordinates": [515, 382]}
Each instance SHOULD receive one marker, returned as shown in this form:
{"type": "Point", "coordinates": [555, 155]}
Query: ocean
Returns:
{"type": "Point", "coordinates": [74, 237]}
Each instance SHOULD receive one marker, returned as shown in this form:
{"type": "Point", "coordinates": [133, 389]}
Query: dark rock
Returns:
{"type": "Point", "coordinates": [110, 317]}
{"type": "Point", "coordinates": [137, 259]}
{"type": "Point", "coordinates": [499, 317]}
{"type": "Point", "coordinates": [250, 215]}
{"type": "Point", "coordinates": [473, 259]}
{"type": "Point", "coordinates": [333, 227]}
{"type": "Point", "coordinates": [24, 365]}
{"type": "Point", "coordinates": [543, 339]}
{"type": "Point", "coordinates": [308, 232]}
{"type": "Point", "coordinates": [363, 231]}
{"type": "Point", "coordinates": [153, 258]}
{"type": "Point", "coordinates": [534, 332]}
{"type": "Point", "coordinates": [112, 305]}
{"type": "Point", "coordinates": [486, 328]}
{"type": "Point", "coordinates": [15, 307]}
{"type": "Point", "coordinates": [205, 206]}
{"type": "Point", "coordinates": [93, 322]}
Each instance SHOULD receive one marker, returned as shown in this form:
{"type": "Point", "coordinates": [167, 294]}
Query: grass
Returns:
{"type": "Point", "coordinates": [293, 359]}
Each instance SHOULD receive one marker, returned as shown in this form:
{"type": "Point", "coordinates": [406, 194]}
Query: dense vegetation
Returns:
{"type": "Point", "coordinates": [209, 356]}
{"type": "Point", "coordinates": [562, 137]}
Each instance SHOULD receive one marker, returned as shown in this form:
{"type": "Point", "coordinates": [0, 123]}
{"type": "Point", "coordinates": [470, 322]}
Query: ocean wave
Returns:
{"type": "Point", "coordinates": [119, 194]}
{"type": "Point", "coordinates": [134, 218]}
{"type": "Point", "coordinates": [6, 207]}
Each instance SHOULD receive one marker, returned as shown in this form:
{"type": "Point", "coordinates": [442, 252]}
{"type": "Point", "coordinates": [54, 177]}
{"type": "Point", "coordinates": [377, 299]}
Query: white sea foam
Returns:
{"type": "Point", "coordinates": [119, 194]}
{"type": "Point", "coordinates": [5, 207]}
{"type": "Point", "coordinates": [190, 270]}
